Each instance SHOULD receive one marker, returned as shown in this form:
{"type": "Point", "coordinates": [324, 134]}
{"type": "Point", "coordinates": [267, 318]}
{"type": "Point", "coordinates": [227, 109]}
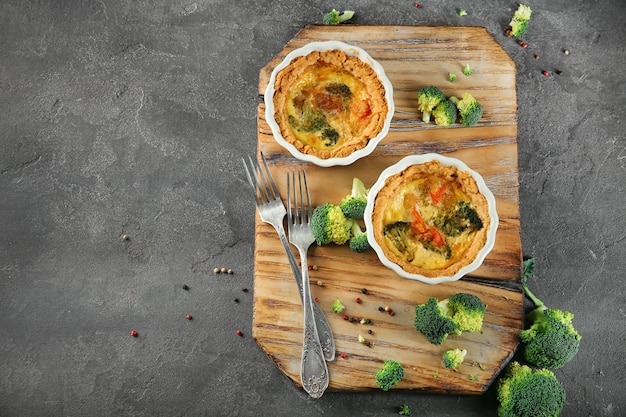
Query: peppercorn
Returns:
{"type": "Point", "coordinates": [134, 333]}
{"type": "Point", "coordinates": [381, 308]}
{"type": "Point", "coordinates": [537, 56]}
{"type": "Point", "coordinates": [523, 45]}
{"type": "Point", "coordinates": [244, 289]}
{"type": "Point", "coordinates": [317, 300]}
{"type": "Point", "coordinates": [239, 333]}
{"type": "Point", "coordinates": [364, 290]}
{"type": "Point", "coordinates": [343, 355]}
{"type": "Point", "coordinates": [236, 300]}
{"type": "Point", "coordinates": [391, 312]}
{"type": "Point", "coordinates": [417, 5]}
{"type": "Point", "coordinates": [565, 51]}
{"type": "Point", "coordinates": [558, 72]}
{"type": "Point", "coordinates": [545, 73]}
{"type": "Point", "coordinates": [125, 237]}
{"type": "Point", "coordinates": [230, 271]}
{"type": "Point", "coordinates": [370, 331]}
{"type": "Point", "coordinates": [315, 267]}
{"type": "Point", "coordinates": [216, 270]}
{"type": "Point", "coordinates": [345, 317]}
{"type": "Point", "coordinates": [185, 287]}
{"type": "Point", "coordinates": [358, 300]}
{"type": "Point", "coordinates": [320, 283]}
{"type": "Point", "coordinates": [223, 270]}
{"type": "Point", "coordinates": [189, 316]}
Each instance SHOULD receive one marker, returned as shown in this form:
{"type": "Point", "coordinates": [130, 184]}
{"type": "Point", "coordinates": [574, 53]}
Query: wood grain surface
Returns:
{"type": "Point", "coordinates": [412, 57]}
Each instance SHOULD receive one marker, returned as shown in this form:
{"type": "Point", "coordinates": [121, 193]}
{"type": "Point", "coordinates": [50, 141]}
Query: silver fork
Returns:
{"type": "Point", "coordinates": [313, 370]}
{"type": "Point", "coordinates": [272, 211]}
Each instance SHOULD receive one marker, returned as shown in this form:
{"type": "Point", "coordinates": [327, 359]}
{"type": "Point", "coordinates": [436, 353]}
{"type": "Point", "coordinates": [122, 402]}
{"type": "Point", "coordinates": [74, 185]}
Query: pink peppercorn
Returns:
{"type": "Point", "coordinates": [134, 333]}
{"type": "Point", "coordinates": [239, 333]}
{"type": "Point", "coordinates": [189, 316]}
{"type": "Point", "coordinates": [343, 356]}
{"type": "Point", "coordinates": [358, 300]}
{"type": "Point", "coordinates": [545, 73]}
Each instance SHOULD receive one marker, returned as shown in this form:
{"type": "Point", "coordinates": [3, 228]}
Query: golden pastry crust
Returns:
{"type": "Point", "coordinates": [329, 104]}
{"type": "Point", "coordinates": [430, 202]}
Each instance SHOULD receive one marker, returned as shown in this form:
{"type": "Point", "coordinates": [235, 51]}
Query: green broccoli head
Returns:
{"type": "Point", "coordinates": [338, 306]}
{"type": "Point", "coordinates": [551, 341]}
{"type": "Point", "coordinates": [445, 113]}
{"type": "Point", "coordinates": [353, 205]}
{"type": "Point", "coordinates": [524, 392]}
{"type": "Point", "coordinates": [470, 110]}
{"type": "Point", "coordinates": [329, 225]}
{"type": "Point", "coordinates": [389, 374]}
{"type": "Point", "coordinates": [520, 19]}
{"type": "Point", "coordinates": [453, 358]}
{"type": "Point", "coordinates": [427, 99]}
{"type": "Point", "coordinates": [467, 311]}
{"type": "Point", "coordinates": [358, 242]}
{"type": "Point", "coordinates": [405, 410]}
{"type": "Point", "coordinates": [432, 322]}
{"type": "Point", "coordinates": [519, 28]}
{"type": "Point", "coordinates": [334, 17]}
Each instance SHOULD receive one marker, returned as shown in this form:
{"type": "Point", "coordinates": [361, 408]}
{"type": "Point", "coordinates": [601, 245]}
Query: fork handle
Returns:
{"type": "Point", "coordinates": [325, 334]}
{"type": "Point", "coordinates": [313, 370]}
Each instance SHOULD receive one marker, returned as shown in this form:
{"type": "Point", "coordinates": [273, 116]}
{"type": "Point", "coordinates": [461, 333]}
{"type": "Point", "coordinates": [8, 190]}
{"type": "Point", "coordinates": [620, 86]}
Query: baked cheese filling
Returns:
{"type": "Point", "coordinates": [327, 106]}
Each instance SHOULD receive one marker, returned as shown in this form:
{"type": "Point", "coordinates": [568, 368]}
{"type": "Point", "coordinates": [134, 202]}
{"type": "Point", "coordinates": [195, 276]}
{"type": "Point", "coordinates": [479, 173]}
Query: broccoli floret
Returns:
{"type": "Point", "coordinates": [309, 120]}
{"type": "Point", "coordinates": [463, 218]}
{"type": "Point", "coordinates": [329, 225]}
{"type": "Point", "coordinates": [329, 136]}
{"type": "Point", "coordinates": [437, 319]}
{"type": "Point", "coordinates": [389, 374]}
{"type": "Point", "coordinates": [519, 21]}
{"type": "Point", "coordinates": [358, 242]}
{"type": "Point", "coordinates": [432, 321]}
{"type": "Point", "coordinates": [427, 99]}
{"type": "Point", "coordinates": [338, 307]}
{"type": "Point", "coordinates": [467, 70]}
{"type": "Point", "coordinates": [445, 113]}
{"type": "Point", "coordinates": [469, 109]}
{"type": "Point", "coordinates": [550, 340]}
{"type": "Point", "coordinates": [452, 77]}
{"type": "Point", "coordinates": [404, 410]}
{"type": "Point", "coordinates": [453, 358]}
{"type": "Point", "coordinates": [353, 205]}
{"type": "Point", "coordinates": [462, 12]}
{"type": "Point", "coordinates": [467, 311]}
{"type": "Point", "coordinates": [334, 17]}
{"type": "Point", "coordinates": [524, 392]}
{"type": "Point", "coordinates": [400, 234]}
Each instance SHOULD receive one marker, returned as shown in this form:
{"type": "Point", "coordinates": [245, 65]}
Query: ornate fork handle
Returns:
{"type": "Point", "coordinates": [326, 338]}
{"type": "Point", "coordinates": [313, 371]}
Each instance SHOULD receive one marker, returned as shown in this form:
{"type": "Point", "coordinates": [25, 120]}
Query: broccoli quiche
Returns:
{"type": "Point", "coordinates": [329, 104]}
{"type": "Point", "coordinates": [431, 219]}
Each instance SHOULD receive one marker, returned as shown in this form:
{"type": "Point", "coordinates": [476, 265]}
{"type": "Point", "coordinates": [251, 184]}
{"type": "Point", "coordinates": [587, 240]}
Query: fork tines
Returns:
{"type": "Point", "coordinates": [261, 180]}
{"type": "Point", "coordinates": [300, 192]}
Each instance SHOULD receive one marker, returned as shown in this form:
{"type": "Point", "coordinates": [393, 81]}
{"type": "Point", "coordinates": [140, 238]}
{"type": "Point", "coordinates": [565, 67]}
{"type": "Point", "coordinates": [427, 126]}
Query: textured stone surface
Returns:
{"type": "Point", "coordinates": [132, 118]}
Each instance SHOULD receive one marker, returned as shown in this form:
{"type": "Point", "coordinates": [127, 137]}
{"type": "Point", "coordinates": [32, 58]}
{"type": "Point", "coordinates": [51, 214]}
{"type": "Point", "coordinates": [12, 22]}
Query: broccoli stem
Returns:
{"type": "Point", "coordinates": [538, 303]}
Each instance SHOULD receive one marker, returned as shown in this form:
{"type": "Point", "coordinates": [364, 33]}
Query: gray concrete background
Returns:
{"type": "Point", "coordinates": [132, 116]}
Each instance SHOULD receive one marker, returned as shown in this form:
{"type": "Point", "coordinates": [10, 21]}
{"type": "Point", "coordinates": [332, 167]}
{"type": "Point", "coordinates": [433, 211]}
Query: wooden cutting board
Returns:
{"type": "Point", "coordinates": [412, 57]}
